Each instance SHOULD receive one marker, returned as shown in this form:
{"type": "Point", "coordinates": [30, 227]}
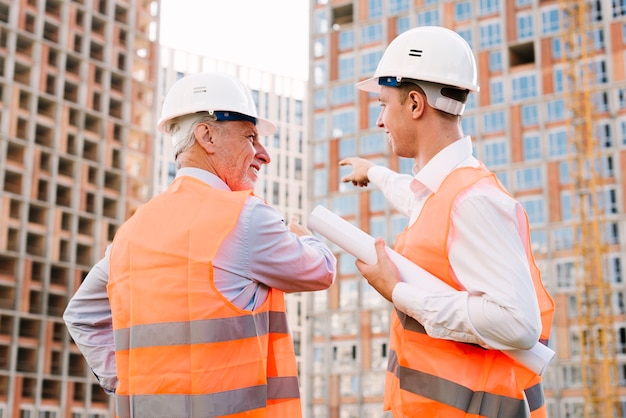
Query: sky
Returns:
{"type": "Point", "coordinates": [270, 35]}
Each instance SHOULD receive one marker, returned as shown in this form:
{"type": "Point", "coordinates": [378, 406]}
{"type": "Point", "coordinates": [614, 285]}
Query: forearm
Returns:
{"type": "Point", "coordinates": [88, 320]}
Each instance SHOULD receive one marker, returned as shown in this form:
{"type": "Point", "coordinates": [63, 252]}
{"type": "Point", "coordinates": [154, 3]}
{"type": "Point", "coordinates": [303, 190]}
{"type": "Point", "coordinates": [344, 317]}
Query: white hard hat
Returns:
{"type": "Point", "coordinates": [431, 54]}
{"type": "Point", "coordinates": [222, 95]}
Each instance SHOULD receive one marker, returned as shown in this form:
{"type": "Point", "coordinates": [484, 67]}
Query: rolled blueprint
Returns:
{"type": "Point", "coordinates": [361, 245]}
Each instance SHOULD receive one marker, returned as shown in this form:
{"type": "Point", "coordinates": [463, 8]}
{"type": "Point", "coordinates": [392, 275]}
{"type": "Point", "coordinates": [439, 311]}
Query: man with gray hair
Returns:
{"type": "Point", "coordinates": [185, 314]}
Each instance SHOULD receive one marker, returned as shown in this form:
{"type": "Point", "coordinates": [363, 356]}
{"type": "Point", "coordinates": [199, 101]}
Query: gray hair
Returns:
{"type": "Point", "coordinates": [181, 130]}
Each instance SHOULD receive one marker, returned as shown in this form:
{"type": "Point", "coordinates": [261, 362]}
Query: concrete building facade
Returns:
{"type": "Point", "coordinates": [519, 129]}
{"type": "Point", "coordinates": [77, 116]}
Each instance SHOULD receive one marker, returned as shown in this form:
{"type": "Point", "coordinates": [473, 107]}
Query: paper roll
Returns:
{"type": "Point", "coordinates": [361, 245]}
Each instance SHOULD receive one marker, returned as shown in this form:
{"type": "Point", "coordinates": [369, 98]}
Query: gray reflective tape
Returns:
{"type": "Point", "coordinates": [284, 387]}
{"type": "Point", "coordinates": [278, 323]}
{"type": "Point", "coordinates": [197, 406]}
{"type": "Point", "coordinates": [458, 396]}
{"type": "Point", "coordinates": [409, 323]}
{"type": "Point", "coordinates": [200, 332]}
{"type": "Point", "coordinates": [207, 405]}
{"type": "Point", "coordinates": [534, 395]}
{"type": "Point", "coordinates": [455, 395]}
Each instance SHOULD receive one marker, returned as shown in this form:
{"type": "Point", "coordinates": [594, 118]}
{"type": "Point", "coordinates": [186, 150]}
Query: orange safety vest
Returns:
{"type": "Point", "coordinates": [181, 348]}
{"type": "Point", "coordinates": [430, 377]}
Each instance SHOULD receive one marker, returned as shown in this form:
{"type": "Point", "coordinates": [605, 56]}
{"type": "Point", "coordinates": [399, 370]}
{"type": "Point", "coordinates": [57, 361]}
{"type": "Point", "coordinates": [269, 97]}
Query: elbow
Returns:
{"type": "Point", "coordinates": [528, 335]}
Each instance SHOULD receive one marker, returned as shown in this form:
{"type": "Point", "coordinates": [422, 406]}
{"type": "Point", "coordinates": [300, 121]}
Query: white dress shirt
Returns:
{"type": "Point", "coordinates": [497, 306]}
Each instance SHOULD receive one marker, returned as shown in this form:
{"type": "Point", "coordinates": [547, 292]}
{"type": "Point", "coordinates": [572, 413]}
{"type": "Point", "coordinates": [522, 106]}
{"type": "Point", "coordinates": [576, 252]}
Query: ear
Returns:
{"type": "Point", "coordinates": [204, 136]}
{"type": "Point", "coordinates": [418, 103]}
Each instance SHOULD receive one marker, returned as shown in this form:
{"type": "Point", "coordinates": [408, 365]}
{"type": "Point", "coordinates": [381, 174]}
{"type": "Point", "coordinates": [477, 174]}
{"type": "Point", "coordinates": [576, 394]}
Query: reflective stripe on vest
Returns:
{"type": "Point", "coordinates": [207, 405]}
{"type": "Point", "coordinates": [200, 331]}
{"type": "Point", "coordinates": [459, 396]}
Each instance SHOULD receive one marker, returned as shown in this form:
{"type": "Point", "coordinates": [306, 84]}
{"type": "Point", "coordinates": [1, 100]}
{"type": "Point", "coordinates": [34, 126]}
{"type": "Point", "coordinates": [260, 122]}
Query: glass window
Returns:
{"type": "Point", "coordinates": [348, 291]}
{"type": "Point", "coordinates": [347, 148]}
{"type": "Point", "coordinates": [468, 123]}
{"type": "Point", "coordinates": [565, 278]}
{"type": "Point", "coordinates": [619, 7]}
{"type": "Point", "coordinates": [530, 115]}
{"type": "Point", "coordinates": [321, 21]}
{"type": "Point", "coordinates": [346, 67]}
{"type": "Point", "coordinates": [529, 178]}
{"type": "Point", "coordinates": [343, 123]}
{"type": "Point", "coordinates": [563, 238]}
{"type": "Point", "coordinates": [375, 8]}
{"type": "Point", "coordinates": [495, 61]}
{"type": "Point", "coordinates": [557, 143]}
{"type": "Point", "coordinates": [345, 204]}
{"type": "Point", "coordinates": [344, 323]}
{"type": "Point", "coordinates": [402, 24]}
{"type": "Point", "coordinates": [372, 33]}
{"type": "Point", "coordinates": [467, 35]}
{"type": "Point", "coordinates": [369, 62]}
{"type": "Point", "coordinates": [380, 353]}
{"type": "Point", "coordinates": [535, 209]}
{"type": "Point", "coordinates": [319, 74]}
{"type": "Point", "coordinates": [342, 94]}
{"type": "Point", "coordinates": [349, 386]}
{"type": "Point", "coordinates": [373, 113]}
{"type": "Point", "coordinates": [532, 146]}
{"type": "Point", "coordinates": [320, 99]}
{"type": "Point", "coordinates": [344, 356]}
{"type": "Point", "coordinates": [405, 165]}
{"type": "Point", "coordinates": [525, 27]}
{"type": "Point", "coordinates": [557, 50]}
{"type": "Point", "coordinates": [377, 201]}
{"type": "Point", "coordinates": [346, 39]}
{"type": "Point", "coordinates": [379, 319]}
{"type": "Point", "coordinates": [319, 357]}
{"type": "Point", "coordinates": [524, 87]}
{"type": "Point", "coordinates": [378, 226]}
{"type": "Point", "coordinates": [550, 21]}
{"type": "Point", "coordinates": [494, 121]}
{"type": "Point", "coordinates": [555, 110]}
{"type": "Point", "coordinates": [319, 47]}
{"type": "Point", "coordinates": [398, 225]}
{"type": "Point", "coordinates": [487, 7]}
{"type": "Point", "coordinates": [398, 6]}
{"type": "Point", "coordinates": [495, 153]}
{"type": "Point", "coordinates": [370, 298]}
{"type": "Point", "coordinates": [538, 241]}
{"type": "Point", "coordinates": [320, 152]}
{"type": "Point", "coordinates": [428, 18]}
{"type": "Point", "coordinates": [490, 34]}
{"type": "Point", "coordinates": [373, 144]}
{"type": "Point", "coordinates": [462, 10]}
{"type": "Point", "coordinates": [497, 91]}
{"type": "Point", "coordinates": [320, 182]}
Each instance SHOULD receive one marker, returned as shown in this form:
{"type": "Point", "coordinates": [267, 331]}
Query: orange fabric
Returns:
{"type": "Point", "coordinates": [425, 243]}
{"type": "Point", "coordinates": [161, 273]}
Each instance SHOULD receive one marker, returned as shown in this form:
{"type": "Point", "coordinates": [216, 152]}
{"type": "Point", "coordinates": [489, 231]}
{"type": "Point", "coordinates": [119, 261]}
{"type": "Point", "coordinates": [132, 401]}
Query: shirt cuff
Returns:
{"type": "Point", "coordinates": [376, 174]}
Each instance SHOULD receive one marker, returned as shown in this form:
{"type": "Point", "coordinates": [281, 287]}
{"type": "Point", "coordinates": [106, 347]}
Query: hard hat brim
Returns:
{"type": "Point", "coordinates": [370, 85]}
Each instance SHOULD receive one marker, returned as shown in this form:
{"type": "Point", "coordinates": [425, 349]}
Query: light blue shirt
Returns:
{"type": "Point", "coordinates": [260, 253]}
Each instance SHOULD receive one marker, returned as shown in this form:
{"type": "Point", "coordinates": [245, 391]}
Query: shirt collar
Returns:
{"type": "Point", "coordinates": [203, 175]}
{"type": "Point", "coordinates": [446, 160]}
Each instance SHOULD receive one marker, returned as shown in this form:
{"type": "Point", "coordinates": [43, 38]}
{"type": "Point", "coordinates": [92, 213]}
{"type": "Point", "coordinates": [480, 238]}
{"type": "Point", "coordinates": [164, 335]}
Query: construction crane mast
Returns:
{"type": "Point", "coordinates": [598, 350]}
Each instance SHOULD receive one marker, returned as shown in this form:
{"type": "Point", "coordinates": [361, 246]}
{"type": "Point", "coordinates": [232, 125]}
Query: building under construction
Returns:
{"type": "Point", "coordinates": [79, 87]}
{"type": "Point", "coordinates": [549, 120]}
